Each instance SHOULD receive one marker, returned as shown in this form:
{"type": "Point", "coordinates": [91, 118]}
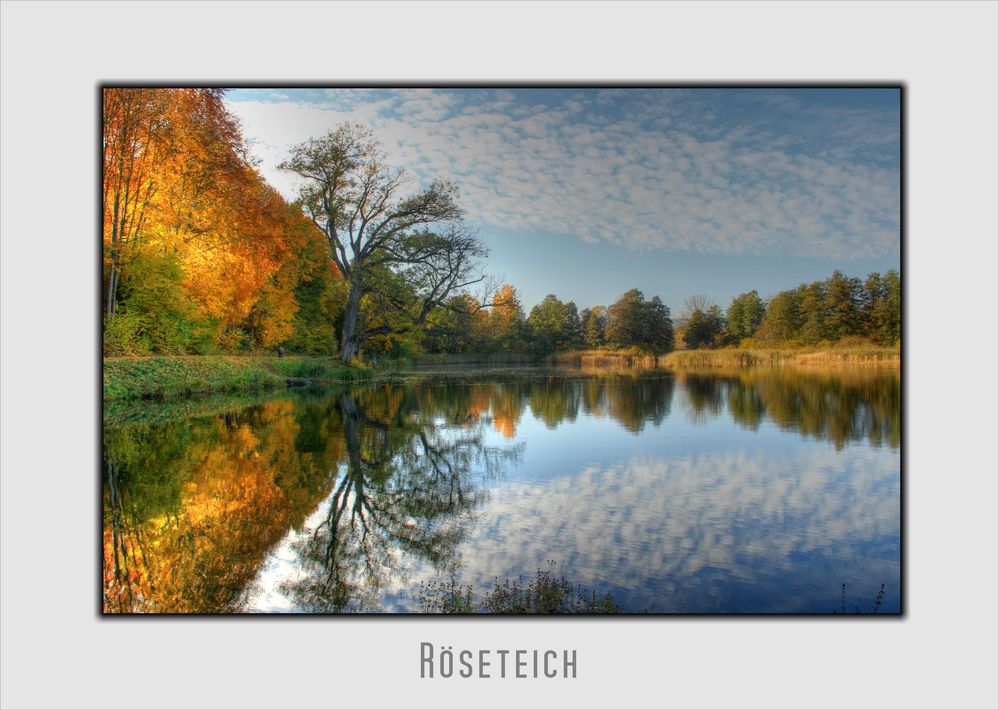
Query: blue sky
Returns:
{"type": "Point", "coordinates": [586, 193]}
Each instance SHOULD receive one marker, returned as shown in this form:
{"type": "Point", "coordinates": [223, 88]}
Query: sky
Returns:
{"type": "Point", "coordinates": [586, 193]}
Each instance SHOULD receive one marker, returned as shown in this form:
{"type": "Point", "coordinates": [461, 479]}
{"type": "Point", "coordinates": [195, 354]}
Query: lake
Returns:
{"type": "Point", "coordinates": [744, 491]}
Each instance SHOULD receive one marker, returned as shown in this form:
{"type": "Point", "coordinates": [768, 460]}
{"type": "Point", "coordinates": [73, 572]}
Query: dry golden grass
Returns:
{"type": "Point", "coordinates": [830, 356]}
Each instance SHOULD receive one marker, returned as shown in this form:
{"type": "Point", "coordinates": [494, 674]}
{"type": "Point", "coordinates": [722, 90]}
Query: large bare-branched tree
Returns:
{"type": "Point", "coordinates": [356, 200]}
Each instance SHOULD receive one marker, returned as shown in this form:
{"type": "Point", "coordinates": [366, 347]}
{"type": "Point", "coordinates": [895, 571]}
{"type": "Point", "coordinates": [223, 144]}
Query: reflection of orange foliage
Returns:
{"type": "Point", "coordinates": [506, 409]}
{"type": "Point", "coordinates": [478, 402]}
{"type": "Point", "coordinates": [126, 578]}
{"type": "Point", "coordinates": [506, 425]}
{"type": "Point", "coordinates": [382, 403]}
{"type": "Point", "coordinates": [232, 511]}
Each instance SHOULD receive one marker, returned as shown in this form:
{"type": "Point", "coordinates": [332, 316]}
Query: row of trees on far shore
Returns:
{"type": "Point", "coordinates": [820, 312]}
{"type": "Point", "coordinates": [553, 325]}
{"type": "Point", "coordinates": [201, 255]}
{"type": "Point", "coordinates": [811, 314]}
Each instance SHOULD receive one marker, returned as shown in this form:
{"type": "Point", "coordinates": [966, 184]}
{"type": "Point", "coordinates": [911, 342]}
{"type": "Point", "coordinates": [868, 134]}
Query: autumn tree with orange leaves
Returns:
{"type": "Point", "coordinates": [200, 253]}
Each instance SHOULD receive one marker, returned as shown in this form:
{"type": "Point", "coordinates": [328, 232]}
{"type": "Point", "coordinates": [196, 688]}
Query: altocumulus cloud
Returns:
{"type": "Point", "coordinates": [714, 172]}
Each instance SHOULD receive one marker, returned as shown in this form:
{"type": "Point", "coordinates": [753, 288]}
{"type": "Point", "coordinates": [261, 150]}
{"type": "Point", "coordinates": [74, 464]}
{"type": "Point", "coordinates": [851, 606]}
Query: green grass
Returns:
{"type": "Point", "coordinates": [166, 377]}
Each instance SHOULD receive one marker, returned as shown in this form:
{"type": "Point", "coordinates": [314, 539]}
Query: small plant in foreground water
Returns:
{"type": "Point", "coordinates": [878, 601]}
{"type": "Point", "coordinates": [544, 593]}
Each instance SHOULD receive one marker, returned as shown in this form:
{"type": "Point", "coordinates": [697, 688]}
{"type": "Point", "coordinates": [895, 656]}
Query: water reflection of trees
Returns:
{"type": "Point", "coordinates": [843, 407]}
{"type": "Point", "coordinates": [408, 489]}
{"type": "Point", "coordinates": [631, 399]}
{"type": "Point", "coordinates": [192, 507]}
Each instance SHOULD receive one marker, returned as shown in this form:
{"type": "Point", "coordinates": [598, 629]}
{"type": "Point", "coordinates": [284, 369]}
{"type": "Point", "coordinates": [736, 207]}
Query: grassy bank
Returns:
{"type": "Point", "coordinates": [163, 377]}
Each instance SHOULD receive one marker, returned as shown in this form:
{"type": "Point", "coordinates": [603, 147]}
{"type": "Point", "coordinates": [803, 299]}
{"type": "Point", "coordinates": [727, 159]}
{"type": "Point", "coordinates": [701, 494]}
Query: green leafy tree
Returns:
{"type": "Point", "coordinates": [355, 199]}
{"type": "Point", "coordinates": [549, 320]}
{"type": "Point", "coordinates": [634, 322]}
{"type": "Point", "coordinates": [699, 332]}
{"type": "Point", "coordinates": [573, 326]}
{"type": "Point", "coordinates": [659, 336]}
{"type": "Point", "coordinates": [891, 323]}
{"type": "Point", "coordinates": [883, 307]}
{"type": "Point", "coordinates": [843, 306]}
{"type": "Point", "coordinates": [456, 327]}
{"type": "Point", "coordinates": [705, 323]}
{"type": "Point", "coordinates": [813, 313]}
{"type": "Point", "coordinates": [782, 318]}
{"type": "Point", "coordinates": [744, 315]}
{"type": "Point", "coordinates": [318, 294]}
{"type": "Point", "coordinates": [594, 321]}
{"type": "Point", "coordinates": [625, 320]}
{"type": "Point", "coordinates": [163, 319]}
{"type": "Point", "coordinates": [716, 321]}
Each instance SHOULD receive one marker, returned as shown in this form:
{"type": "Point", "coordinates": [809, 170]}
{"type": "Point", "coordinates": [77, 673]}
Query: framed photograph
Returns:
{"type": "Point", "coordinates": [502, 349]}
{"type": "Point", "coordinates": [454, 355]}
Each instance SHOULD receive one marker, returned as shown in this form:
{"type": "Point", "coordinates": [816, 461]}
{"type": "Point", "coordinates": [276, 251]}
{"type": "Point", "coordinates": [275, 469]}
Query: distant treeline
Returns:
{"type": "Point", "coordinates": [202, 256]}
{"type": "Point", "coordinates": [811, 314]}
{"type": "Point", "coordinates": [823, 311]}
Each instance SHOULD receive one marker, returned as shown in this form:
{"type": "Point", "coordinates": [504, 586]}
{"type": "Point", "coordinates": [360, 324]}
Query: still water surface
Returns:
{"type": "Point", "coordinates": [750, 491]}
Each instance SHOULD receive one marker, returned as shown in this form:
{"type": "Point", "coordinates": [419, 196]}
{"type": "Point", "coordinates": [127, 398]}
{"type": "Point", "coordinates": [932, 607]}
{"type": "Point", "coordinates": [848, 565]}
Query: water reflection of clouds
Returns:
{"type": "Point", "coordinates": [733, 530]}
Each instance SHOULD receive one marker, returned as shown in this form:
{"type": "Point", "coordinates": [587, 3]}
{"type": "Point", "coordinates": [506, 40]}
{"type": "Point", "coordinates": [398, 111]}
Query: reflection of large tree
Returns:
{"type": "Point", "coordinates": [405, 493]}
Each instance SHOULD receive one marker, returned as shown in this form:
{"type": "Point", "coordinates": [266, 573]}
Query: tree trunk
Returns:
{"type": "Point", "coordinates": [350, 343]}
{"type": "Point", "coordinates": [112, 291]}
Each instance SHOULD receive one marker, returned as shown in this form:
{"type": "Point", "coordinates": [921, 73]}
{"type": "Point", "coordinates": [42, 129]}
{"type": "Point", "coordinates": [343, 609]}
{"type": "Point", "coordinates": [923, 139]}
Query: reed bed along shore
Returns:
{"type": "Point", "coordinates": [736, 357]}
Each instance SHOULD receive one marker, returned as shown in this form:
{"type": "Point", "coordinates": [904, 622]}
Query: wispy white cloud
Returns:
{"type": "Point", "coordinates": [646, 169]}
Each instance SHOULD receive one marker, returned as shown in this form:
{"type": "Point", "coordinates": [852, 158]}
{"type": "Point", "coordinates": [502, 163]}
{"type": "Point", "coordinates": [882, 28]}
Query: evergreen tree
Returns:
{"type": "Point", "coordinates": [842, 306]}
